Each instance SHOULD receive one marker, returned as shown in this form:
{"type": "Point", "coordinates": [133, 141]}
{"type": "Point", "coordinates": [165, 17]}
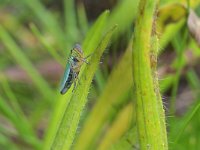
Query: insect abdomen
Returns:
{"type": "Point", "coordinates": [68, 83]}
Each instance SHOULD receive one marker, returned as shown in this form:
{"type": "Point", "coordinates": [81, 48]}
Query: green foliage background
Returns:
{"type": "Point", "coordinates": [35, 42]}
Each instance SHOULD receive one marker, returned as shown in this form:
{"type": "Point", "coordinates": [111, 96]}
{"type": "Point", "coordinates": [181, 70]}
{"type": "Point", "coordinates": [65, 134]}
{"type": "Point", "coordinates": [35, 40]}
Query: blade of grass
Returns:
{"type": "Point", "coordinates": [127, 142]}
{"type": "Point", "coordinates": [60, 108]}
{"type": "Point", "coordinates": [93, 37]}
{"type": "Point", "coordinates": [100, 80]}
{"type": "Point", "coordinates": [119, 14]}
{"type": "Point", "coordinates": [15, 107]}
{"type": "Point", "coordinates": [6, 110]}
{"type": "Point", "coordinates": [69, 124]}
{"type": "Point", "coordinates": [70, 21]}
{"type": "Point", "coordinates": [92, 122]}
{"type": "Point", "coordinates": [193, 79]}
{"type": "Point", "coordinates": [6, 131]}
{"type": "Point", "coordinates": [170, 31]}
{"type": "Point", "coordinates": [24, 62]}
{"type": "Point", "coordinates": [109, 98]}
{"type": "Point", "coordinates": [148, 115]}
{"type": "Point", "coordinates": [95, 34]}
{"type": "Point", "coordinates": [92, 40]}
{"type": "Point", "coordinates": [6, 143]}
{"type": "Point", "coordinates": [176, 134]}
{"type": "Point", "coordinates": [188, 117]}
{"type": "Point", "coordinates": [179, 43]}
{"type": "Point", "coordinates": [82, 18]}
{"type": "Point", "coordinates": [49, 22]}
{"type": "Point", "coordinates": [118, 85]}
{"type": "Point", "coordinates": [121, 124]}
{"type": "Point", "coordinates": [30, 122]}
{"type": "Point", "coordinates": [21, 125]}
{"type": "Point", "coordinates": [11, 96]}
{"type": "Point", "coordinates": [166, 83]}
{"type": "Point", "coordinates": [50, 49]}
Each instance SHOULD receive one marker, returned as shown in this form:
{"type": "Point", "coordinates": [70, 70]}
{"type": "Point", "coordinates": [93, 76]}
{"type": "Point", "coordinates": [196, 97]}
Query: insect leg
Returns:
{"type": "Point", "coordinates": [75, 76]}
{"type": "Point", "coordinates": [85, 61]}
{"type": "Point", "coordinates": [85, 58]}
{"type": "Point", "coordinates": [78, 80]}
{"type": "Point", "coordinates": [88, 56]}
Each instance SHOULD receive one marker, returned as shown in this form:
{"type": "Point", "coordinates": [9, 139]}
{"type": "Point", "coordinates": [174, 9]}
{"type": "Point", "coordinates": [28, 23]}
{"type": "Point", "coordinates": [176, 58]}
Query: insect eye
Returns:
{"type": "Point", "coordinates": [75, 59]}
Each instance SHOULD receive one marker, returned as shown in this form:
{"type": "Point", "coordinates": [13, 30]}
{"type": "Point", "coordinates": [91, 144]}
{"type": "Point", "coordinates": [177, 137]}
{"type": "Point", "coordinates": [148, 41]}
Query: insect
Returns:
{"type": "Point", "coordinates": [73, 66]}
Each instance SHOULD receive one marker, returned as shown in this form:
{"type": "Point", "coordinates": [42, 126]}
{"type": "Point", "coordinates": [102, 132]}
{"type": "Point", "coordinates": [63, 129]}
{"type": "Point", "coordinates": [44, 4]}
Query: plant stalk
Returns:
{"type": "Point", "coordinates": [149, 110]}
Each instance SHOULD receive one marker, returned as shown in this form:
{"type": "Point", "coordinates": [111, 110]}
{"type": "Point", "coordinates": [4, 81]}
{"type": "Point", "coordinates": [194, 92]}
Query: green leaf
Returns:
{"type": "Point", "coordinates": [82, 18]}
{"type": "Point", "coordinates": [149, 110]}
{"type": "Point", "coordinates": [21, 125]}
{"type": "Point", "coordinates": [25, 63]}
{"type": "Point", "coordinates": [45, 43]}
{"type": "Point", "coordinates": [115, 91]}
{"type": "Point", "coordinates": [70, 21]}
{"type": "Point", "coordinates": [91, 42]}
{"type": "Point", "coordinates": [119, 14]}
{"type": "Point", "coordinates": [48, 21]}
{"type": "Point", "coordinates": [128, 141]}
{"type": "Point", "coordinates": [69, 124]}
{"type": "Point", "coordinates": [95, 34]}
{"type": "Point", "coordinates": [117, 129]}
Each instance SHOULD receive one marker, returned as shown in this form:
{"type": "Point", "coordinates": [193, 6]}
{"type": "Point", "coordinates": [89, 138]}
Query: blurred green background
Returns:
{"type": "Point", "coordinates": [36, 37]}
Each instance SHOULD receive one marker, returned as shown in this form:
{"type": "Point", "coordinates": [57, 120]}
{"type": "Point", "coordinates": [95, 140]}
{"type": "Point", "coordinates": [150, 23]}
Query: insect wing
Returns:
{"type": "Point", "coordinates": [63, 88]}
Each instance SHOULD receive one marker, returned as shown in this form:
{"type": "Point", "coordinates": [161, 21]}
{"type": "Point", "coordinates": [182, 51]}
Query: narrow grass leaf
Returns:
{"type": "Point", "coordinates": [121, 124]}
{"type": "Point", "coordinates": [186, 120]}
{"type": "Point", "coordinates": [6, 110]}
{"type": "Point", "coordinates": [23, 128]}
{"type": "Point", "coordinates": [7, 143]}
{"type": "Point", "coordinates": [95, 34]}
{"type": "Point", "coordinates": [111, 97]}
{"type": "Point", "coordinates": [183, 123]}
{"type": "Point", "coordinates": [82, 18]}
{"type": "Point", "coordinates": [44, 42]}
{"type": "Point", "coordinates": [99, 78]}
{"type": "Point", "coordinates": [193, 79]}
{"type": "Point", "coordinates": [179, 44]}
{"type": "Point", "coordinates": [170, 31]}
{"type": "Point", "coordinates": [91, 42]}
{"type": "Point", "coordinates": [119, 14]}
{"type": "Point", "coordinates": [67, 130]}
{"type": "Point", "coordinates": [118, 85]}
{"type": "Point", "coordinates": [70, 20]}
{"type": "Point", "coordinates": [49, 22]}
{"type": "Point", "coordinates": [24, 62]}
{"type": "Point", "coordinates": [127, 142]}
{"type": "Point", "coordinates": [15, 110]}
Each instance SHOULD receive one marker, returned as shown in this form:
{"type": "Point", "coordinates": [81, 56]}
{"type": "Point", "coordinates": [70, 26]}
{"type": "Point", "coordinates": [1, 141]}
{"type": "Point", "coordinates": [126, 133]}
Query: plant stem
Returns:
{"type": "Point", "coordinates": [149, 110]}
